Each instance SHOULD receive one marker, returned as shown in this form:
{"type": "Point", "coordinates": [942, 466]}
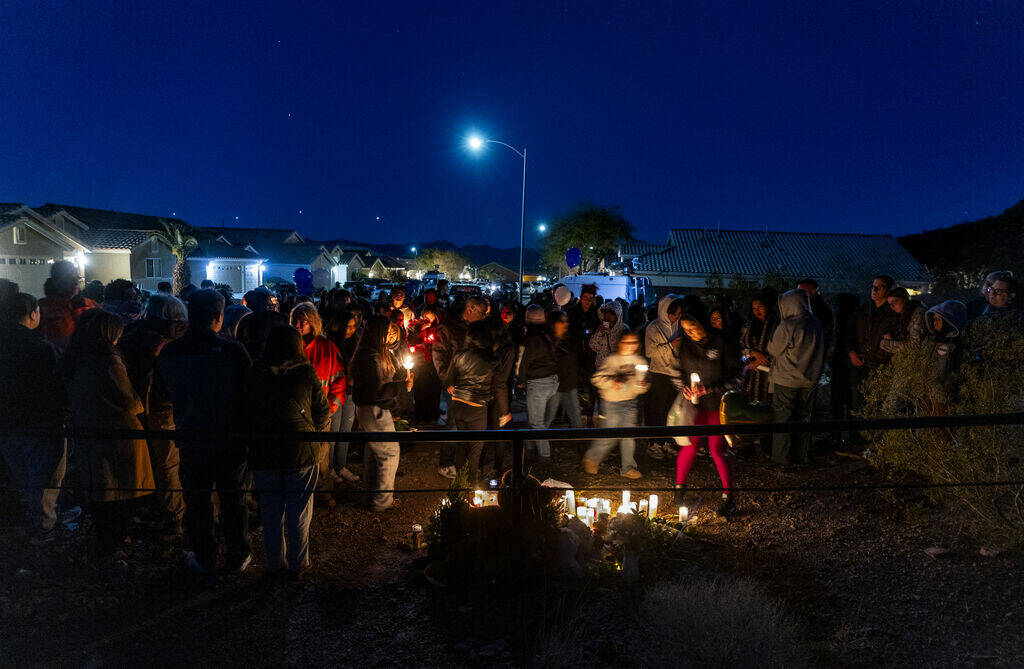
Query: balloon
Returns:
{"type": "Point", "coordinates": [303, 281]}
{"type": "Point", "coordinates": [573, 257]}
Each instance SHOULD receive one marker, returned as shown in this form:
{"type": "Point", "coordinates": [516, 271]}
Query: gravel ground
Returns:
{"type": "Point", "coordinates": [854, 567]}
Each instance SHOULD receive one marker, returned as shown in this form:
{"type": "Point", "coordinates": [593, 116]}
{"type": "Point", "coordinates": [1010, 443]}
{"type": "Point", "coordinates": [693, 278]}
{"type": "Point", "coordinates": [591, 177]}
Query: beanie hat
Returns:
{"type": "Point", "coordinates": [535, 315]}
{"type": "Point", "coordinates": [562, 296]}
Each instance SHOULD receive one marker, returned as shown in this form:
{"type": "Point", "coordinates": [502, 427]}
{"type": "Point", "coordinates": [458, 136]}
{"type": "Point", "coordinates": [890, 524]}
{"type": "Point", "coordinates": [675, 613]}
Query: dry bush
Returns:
{"type": "Point", "coordinates": [986, 379]}
{"type": "Point", "coordinates": [717, 623]}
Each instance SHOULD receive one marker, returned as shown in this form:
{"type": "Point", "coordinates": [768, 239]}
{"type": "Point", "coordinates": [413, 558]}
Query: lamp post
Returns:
{"type": "Point", "coordinates": [476, 143]}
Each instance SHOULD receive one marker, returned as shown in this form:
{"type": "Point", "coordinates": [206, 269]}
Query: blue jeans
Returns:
{"type": "Point", "coordinates": [382, 461]}
{"type": "Point", "coordinates": [569, 400]}
{"type": "Point", "coordinates": [37, 465]}
{"type": "Point", "coordinates": [286, 509]}
{"type": "Point", "coordinates": [539, 392]}
{"type": "Point", "coordinates": [341, 421]}
{"type": "Point", "coordinates": [616, 414]}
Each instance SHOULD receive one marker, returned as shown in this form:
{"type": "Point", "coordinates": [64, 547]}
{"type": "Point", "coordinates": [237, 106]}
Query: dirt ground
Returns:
{"type": "Point", "coordinates": [852, 566]}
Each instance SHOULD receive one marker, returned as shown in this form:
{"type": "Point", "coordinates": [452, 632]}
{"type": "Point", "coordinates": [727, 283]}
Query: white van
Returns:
{"type": "Point", "coordinates": [627, 287]}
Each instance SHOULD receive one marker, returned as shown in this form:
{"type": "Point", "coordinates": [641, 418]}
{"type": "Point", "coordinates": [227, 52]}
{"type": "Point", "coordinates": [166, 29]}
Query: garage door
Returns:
{"type": "Point", "coordinates": [29, 273]}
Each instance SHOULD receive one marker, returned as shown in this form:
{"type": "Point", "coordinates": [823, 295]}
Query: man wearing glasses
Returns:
{"type": "Point", "coordinates": [870, 323]}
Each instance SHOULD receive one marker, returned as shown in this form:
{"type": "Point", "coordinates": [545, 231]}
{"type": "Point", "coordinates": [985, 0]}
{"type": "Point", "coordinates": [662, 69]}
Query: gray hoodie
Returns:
{"type": "Point", "coordinates": [798, 345]}
{"type": "Point", "coordinates": [657, 337]}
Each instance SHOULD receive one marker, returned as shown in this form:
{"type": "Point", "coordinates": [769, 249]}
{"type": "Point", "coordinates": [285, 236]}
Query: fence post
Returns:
{"type": "Point", "coordinates": [518, 475]}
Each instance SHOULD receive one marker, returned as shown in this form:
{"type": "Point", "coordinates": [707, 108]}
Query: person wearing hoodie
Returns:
{"type": "Point", "coordinates": [620, 380]}
{"type": "Point", "coordinates": [798, 355]}
{"type": "Point", "coordinates": [567, 352]}
{"type": "Point", "coordinates": [605, 341]}
{"type": "Point", "coordinates": [908, 326]}
{"type": "Point", "coordinates": [662, 338]}
{"type": "Point", "coordinates": [252, 329]}
{"type": "Point", "coordinates": [946, 323]}
{"type": "Point", "coordinates": [537, 371]}
{"type": "Point", "coordinates": [284, 394]}
{"type": "Point", "coordinates": [710, 365]}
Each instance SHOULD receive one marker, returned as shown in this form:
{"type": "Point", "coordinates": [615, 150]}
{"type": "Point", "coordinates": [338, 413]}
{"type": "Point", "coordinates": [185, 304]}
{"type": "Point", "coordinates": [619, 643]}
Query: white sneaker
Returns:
{"type": "Point", "coordinates": [448, 472]}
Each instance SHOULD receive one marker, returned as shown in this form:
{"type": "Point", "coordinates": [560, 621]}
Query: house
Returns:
{"type": "Point", "coordinates": [30, 244]}
{"type": "Point", "coordinates": [122, 246]}
{"type": "Point", "coordinates": [241, 269]}
{"type": "Point", "coordinates": [382, 266]}
{"type": "Point", "coordinates": [497, 272]}
{"type": "Point", "coordinates": [287, 251]}
{"type": "Point", "coordinates": [841, 262]}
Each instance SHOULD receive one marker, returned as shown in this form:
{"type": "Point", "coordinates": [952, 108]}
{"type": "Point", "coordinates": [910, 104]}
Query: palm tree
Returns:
{"type": "Point", "coordinates": [182, 239]}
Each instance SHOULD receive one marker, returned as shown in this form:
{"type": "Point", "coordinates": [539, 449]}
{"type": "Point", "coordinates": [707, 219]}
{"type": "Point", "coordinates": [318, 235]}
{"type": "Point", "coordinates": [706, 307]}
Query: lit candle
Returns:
{"type": "Point", "coordinates": [625, 498]}
{"type": "Point", "coordinates": [642, 370]}
{"type": "Point", "coordinates": [581, 513]}
{"type": "Point", "coordinates": [642, 509]}
{"type": "Point", "coordinates": [684, 514]}
{"type": "Point", "coordinates": [652, 506]}
{"type": "Point", "coordinates": [408, 362]}
{"type": "Point", "coordinates": [570, 501]}
{"type": "Point", "coordinates": [694, 382]}
{"type": "Point", "coordinates": [478, 498]}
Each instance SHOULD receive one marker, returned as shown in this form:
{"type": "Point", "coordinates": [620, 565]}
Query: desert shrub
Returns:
{"type": "Point", "coordinates": [985, 378]}
{"type": "Point", "coordinates": [717, 623]}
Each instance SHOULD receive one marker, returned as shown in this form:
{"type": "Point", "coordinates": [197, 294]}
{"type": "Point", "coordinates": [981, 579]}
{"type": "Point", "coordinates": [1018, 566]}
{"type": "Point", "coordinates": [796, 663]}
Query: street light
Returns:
{"type": "Point", "coordinates": [476, 143]}
{"type": "Point", "coordinates": [542, 228]}
{"type": "Point", "coordinates": [413, 249]}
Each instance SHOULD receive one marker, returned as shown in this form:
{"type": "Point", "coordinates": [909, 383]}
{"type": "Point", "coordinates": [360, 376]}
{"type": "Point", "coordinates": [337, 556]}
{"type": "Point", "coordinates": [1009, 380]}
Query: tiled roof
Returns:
{"type": "Point", "coordinates": [347, 257]}
{"type": "Point", "coordinates": [387, 261]}
{"type": "Point", "coordinates": [109, 220]}
{"type": "Point", "coordinates": [8, 207]}
{"type": "Point", "coordinates": [113, 239]}
{"type": "Point", "coordinates": [821, 255]}
{"type": "Point", "coordinates": [253, 236]}
{"type": "Point", "coordinates": [211, 248]}
{"type": "Point", "coordinates": [298, 254]}
{"type": "Point", "coordinates": [632, 249]}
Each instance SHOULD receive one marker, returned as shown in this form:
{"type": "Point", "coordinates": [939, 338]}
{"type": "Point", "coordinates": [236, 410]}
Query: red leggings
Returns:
{"type": "Point", "coordinates": [716, 446]}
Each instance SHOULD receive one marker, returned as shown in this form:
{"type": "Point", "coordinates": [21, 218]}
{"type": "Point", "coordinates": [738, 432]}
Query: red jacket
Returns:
{"type": "Point", "coordinates": [326, 360]}
{"type": "Point", "coordinates": [59, 315]}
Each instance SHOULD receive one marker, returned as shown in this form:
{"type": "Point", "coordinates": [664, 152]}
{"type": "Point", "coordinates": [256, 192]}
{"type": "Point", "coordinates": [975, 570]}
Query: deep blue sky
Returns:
{"type": "Point", "coordinates": [797, 115]}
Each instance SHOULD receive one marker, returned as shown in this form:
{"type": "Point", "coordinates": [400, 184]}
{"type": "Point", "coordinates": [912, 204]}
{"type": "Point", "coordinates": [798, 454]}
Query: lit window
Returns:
{"type": "Point", "coordinates": [19, 235]}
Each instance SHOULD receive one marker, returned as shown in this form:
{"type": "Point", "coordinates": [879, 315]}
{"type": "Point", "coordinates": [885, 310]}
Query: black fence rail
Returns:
{"type": "Point", "coordinates": [519, 437]}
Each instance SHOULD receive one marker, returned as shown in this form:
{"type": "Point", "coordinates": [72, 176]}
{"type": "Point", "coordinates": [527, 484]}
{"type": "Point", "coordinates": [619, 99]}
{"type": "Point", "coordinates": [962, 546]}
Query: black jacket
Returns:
{"type": "Point", "coordinates": [567, 353]}
{"type": "Point", "coordinates": [371, 388]}
{"type": "Point", "coordinates": [538, 359]}
{"type": "Point", "coordinates": [717, 361]}
{"type": "Point", "coordinates": [288, 398]}
{"type": "Point", "coordinates": [582, 324]}
{"type": "Point", "coordinates": [31, 393]}
{"type": "Point", "coordinates": [472, 375]}
{"type": "Point", "coordinates": [869, 325]}
{"type": "Point", "coordinates": [138, 350]}
{"type": "Point", "coordinates": [254, 329]}
{"type": "Point", "coordinates": [204, 375]}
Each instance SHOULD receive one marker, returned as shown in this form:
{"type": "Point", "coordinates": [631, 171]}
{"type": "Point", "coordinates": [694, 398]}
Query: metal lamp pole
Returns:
{"type": "Point", "coordinates": [475, 142]}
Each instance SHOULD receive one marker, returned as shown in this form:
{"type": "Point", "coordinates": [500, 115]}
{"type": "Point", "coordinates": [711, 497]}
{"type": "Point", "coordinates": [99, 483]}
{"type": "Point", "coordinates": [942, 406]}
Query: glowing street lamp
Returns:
{"type": "Point", "coordinates": [476, 144]}
{"type": "Point", "coordinates": [542, 228]}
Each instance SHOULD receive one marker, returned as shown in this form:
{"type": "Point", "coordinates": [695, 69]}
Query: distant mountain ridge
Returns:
{"type": "Point", "coordinates": [990, 243]}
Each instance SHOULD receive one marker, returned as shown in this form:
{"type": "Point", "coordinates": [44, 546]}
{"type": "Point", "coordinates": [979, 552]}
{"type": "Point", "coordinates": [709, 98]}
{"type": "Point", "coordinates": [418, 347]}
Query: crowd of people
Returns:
{"type": "Point", "coordinates": [205, 364]}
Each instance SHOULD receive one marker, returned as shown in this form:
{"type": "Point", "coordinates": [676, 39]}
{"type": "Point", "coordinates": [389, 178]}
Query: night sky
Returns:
{"type": "Point", "coordinates": [744, 114]}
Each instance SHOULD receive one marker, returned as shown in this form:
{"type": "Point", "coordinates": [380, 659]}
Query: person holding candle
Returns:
{"type": "Point", "coordinates": [620, 383]}
{"type": "Point", "coordinates": [378, 381]}
{"type": "Point", "coordinates": [716, 361]}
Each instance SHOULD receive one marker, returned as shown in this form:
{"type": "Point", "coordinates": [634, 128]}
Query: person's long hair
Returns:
{"type": "Point", "coordinates": [284, 346]}
{"type": "Point", "coordinates": [95, 338]}
{"type": "Point", "coordinates": [375, 340]}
